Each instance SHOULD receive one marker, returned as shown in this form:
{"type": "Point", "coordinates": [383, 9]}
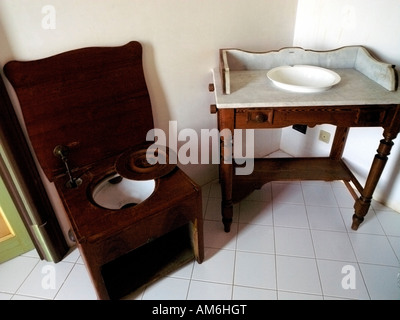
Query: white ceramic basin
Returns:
{"type": "Point", "coordinates": [303, 78]}
{"type": "Point", "coordinates": [116, 193]}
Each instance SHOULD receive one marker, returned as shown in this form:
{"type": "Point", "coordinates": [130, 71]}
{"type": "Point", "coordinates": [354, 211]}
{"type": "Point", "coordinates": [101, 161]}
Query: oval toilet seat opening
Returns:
{"type": "Point", "coordinates": [116, 193]}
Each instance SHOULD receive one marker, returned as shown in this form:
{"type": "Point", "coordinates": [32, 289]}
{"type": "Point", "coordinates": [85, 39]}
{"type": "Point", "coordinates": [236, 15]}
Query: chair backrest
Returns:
{"type": "Point", "coordinates": [92, 100]}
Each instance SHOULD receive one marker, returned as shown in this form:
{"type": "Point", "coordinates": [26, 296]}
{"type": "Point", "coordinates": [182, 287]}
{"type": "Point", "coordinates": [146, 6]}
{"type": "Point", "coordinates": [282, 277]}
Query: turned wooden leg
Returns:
{"type": "Point", "coordinates": [227, 214]}
{"type": "Point", "coordinates": [225, 124]}
{"type": "Point", "coordinates": [226, 172]}
{"type": "Point", "coordinates": [363, 203]}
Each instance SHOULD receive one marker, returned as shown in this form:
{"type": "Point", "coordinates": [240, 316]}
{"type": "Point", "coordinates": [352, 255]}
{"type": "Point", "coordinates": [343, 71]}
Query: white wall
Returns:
{"type": "Point", "coordinates": [324, 25]}
{"type": "Point", "coordinates": [181, 39]}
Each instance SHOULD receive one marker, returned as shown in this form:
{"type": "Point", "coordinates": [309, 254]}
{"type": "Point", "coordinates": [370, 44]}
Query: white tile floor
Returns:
{"type": "Point", "coordinates": [288, 241]}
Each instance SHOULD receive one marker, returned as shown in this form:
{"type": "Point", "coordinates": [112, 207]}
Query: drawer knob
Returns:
{"type": "Point", "coordinates": [211, 87]}
{"type": "Point", "coordinates": [261, 117]}
{"type": "Point", "coordinates": [213, 108]}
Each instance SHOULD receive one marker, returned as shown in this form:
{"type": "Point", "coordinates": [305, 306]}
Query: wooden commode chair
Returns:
{"type": "Point", "coordinates": [87, 113]}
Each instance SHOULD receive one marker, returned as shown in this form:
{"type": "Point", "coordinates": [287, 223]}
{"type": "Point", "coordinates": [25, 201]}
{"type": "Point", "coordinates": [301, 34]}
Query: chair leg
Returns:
{"type": "Point", "coordinates": [98, 282]}
{"type": "Point", "coordinates": [94, 270]}
{"type": "Point", "coordinates": [197, 240]}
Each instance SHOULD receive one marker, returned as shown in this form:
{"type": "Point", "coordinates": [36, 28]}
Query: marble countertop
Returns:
{"type": "Point", "coordinates": [252, 89]}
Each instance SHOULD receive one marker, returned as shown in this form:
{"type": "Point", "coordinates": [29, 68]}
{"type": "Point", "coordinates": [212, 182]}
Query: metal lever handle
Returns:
{"type": "Point", "coordinates": [62, 152]}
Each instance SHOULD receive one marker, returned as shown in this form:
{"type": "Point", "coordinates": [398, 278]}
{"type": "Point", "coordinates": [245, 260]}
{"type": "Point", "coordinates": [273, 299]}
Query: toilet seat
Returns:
{"type": "Point", "coordinates": [175, 186]}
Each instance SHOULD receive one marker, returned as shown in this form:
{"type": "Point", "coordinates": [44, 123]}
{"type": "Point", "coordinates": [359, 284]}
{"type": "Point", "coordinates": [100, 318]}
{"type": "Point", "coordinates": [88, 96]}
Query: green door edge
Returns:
{"type": "Point", "coordinates": [20, 242]}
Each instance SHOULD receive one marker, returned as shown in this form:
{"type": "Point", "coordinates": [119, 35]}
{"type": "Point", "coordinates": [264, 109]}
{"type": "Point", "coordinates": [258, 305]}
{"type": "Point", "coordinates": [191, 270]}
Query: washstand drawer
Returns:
{"type": "Point", "coordinates": [350, 116]}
